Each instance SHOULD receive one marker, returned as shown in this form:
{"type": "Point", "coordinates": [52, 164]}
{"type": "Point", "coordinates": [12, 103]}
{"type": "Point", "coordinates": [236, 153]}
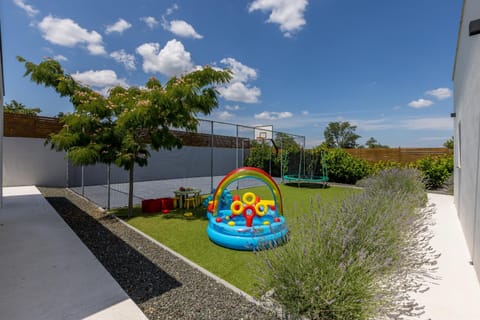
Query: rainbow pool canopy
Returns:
{"type": "Point", "coordinates": [249, 224]}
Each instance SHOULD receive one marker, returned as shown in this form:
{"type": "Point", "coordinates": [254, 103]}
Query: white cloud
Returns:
{"type": "Point", "coordinates": [119, 26]}
{"type": "Point", "coordinates": [305, 113]}
{"type": "Point", "coordinates": [128, 60]}
{"type": "Point", "coordinates": [289, 14]}
{"type": "Point", "coordinates": [440, 93]}
{"type": "Point", "coordinates": [241, 72]}
{"type": "Point", "coordinates": [434, 138]}
{"type": "Point", "coordinates": [267, 115]}
{"type": "Point", "coordinates": [233, 108]}
{"type": "Point", "coordinates": [59, 57]}
{"type": "Point", "coordinates": [181, 28]}
{"type": "Point", "coordinates": [238, 91]}
{"type": "Point", "coordinates": [99, 79]}
{"type": "Point", "coordinates": [96, 49]}
{"type": "Point", "coordinates": [151, 22]}
{"type": "Point", "coordinates": [372, 124]}
{"type": "Point", "coordinates": [29, 9]}
{"type": "Point", "coordinates": [66, 32]}
{"type": "Point", "coordinates": [444, 123]}
{"type": "Point", "coordinates": [420, 103]}
{"type": "Point", "coordinates": [171, 9]}
{"type": "Point", "coordinates": [224, 115]}
{"type": "Point", "coordinates": [173, 59]}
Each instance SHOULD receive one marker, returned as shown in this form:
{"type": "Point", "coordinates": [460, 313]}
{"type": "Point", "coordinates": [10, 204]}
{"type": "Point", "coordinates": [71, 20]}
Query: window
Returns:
{"type": "Point", "coordinates": [459, 145]}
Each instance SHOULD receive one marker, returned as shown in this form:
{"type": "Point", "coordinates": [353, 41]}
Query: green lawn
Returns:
{"type": "Point", "coordinates": [188, 236]}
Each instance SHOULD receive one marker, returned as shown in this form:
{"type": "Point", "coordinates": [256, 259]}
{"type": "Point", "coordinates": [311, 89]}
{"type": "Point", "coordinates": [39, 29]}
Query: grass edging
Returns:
{"type": "Point", "coordinates": [200, 268]}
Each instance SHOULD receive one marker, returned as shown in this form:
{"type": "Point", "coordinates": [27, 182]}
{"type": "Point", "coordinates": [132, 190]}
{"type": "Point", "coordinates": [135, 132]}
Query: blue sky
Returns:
{"type": "Point", "coordinates": [384, 66]}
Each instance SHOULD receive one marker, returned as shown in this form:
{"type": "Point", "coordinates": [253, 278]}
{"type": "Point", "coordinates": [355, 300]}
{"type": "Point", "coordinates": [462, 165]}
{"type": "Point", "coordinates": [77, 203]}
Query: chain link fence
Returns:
{"type": "Point", "coordinates": [205, 158]}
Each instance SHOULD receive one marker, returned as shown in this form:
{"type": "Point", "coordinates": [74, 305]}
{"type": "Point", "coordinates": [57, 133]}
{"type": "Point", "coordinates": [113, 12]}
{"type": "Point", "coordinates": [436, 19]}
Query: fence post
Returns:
{"type": "Point", "coordinates": [236, 149]}
{"type": "Point", "coordinates": [83, 184]}
{"type": "Point", "coordinates": [211, 155]}
{"type": "Point", "coordinates": [108, 186]}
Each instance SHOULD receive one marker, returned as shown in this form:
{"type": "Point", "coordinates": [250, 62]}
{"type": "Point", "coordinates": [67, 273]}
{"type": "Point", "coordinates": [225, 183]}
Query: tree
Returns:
{"type": "Point", "coordinates": [19, 108]}
{"type": "Point", "coordinates": [449, 143]}
{"type": "Point", "coordinates": [373, 143]}
{"type": "Point", "coordinates": [340, 135]}
{"type": "Point", "coordinates": [122, 127]}
{"type": "Point", "coordinates": [287, 142]}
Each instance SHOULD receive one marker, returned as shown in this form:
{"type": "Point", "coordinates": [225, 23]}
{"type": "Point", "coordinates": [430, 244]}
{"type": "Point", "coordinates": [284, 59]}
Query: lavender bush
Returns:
{"type": "Point", "coordinates": [357, 259]}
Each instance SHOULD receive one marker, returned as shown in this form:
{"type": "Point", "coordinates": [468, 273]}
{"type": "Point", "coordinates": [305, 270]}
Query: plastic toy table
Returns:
{"type": "Point", "coordinates": [183, 194]}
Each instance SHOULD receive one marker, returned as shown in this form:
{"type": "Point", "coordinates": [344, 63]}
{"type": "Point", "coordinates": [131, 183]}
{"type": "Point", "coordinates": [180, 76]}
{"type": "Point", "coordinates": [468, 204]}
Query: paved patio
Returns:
{"type": "Point", "coordinates": [46, 272]}
{"type": "Point", "coordinates": [155, 189]}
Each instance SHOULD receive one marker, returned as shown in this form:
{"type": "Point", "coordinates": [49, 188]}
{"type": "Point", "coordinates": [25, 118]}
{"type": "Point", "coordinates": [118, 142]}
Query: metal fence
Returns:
{"type": "Point", "coordinates": [206, 156]}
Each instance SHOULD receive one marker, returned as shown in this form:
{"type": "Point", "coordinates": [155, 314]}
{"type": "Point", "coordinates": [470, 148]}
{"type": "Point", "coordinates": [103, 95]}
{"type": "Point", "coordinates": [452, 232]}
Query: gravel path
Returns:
{"type": "Point", "coordinates": [162, 285]}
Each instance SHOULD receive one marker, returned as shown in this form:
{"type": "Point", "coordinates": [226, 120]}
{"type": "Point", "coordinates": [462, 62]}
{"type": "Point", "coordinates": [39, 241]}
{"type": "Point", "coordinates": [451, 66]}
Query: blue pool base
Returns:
{"type": "Point", "coordinates": [241, 237]}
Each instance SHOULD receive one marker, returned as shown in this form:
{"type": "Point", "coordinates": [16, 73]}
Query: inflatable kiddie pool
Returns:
{"type": "Point", "coordinates": [248, 222]}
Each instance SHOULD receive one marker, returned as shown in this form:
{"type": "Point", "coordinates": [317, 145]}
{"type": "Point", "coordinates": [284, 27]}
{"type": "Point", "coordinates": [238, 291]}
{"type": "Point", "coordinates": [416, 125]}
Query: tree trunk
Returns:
{"type": "Point", "coordinates": [130, 190]}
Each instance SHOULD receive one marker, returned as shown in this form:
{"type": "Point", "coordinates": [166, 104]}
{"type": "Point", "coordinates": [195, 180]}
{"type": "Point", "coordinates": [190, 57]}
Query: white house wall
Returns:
{"type": "Point", "coordinates": [467, 130]}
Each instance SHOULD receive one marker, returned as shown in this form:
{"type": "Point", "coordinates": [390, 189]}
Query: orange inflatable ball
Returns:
{"type": "Point", "coordinates": [276, 219]}
{"type": "Point", "coordinates": [236, 197]}
{"type": "Point", "coordinates": [218, 219]}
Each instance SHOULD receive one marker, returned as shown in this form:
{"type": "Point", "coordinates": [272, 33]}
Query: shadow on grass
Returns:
{"type": "Point", "coordinates": [199, 213]}
{"type": "Point", "coordinates": [308, 185]}
{"type": "Point", "coordinates": [136, 274]}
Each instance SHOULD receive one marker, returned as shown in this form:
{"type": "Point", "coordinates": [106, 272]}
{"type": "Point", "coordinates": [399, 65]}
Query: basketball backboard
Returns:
{"type": "Point", "coordinates": [264, 132]}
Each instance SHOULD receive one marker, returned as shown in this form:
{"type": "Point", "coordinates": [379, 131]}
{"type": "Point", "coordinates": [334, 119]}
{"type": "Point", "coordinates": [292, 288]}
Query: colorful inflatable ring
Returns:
{"type": "Point", "coordinates": [249, 198]}
{"type": "Point", "coordinates": [237, 207]}
{"type": "Point", "coordinates": [261, 209]}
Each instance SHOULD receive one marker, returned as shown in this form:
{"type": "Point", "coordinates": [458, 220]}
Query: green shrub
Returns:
{"type": "Point", "coordinates": [357, 259]}
{"type": "Point", "coordinates": [382, 165]}
{"type": "Point", "coordinates": [344, 168]}
{"type": "Point", "coordinates": [398, 180]}
{"type": "Point", "coordinates": [435, 170]}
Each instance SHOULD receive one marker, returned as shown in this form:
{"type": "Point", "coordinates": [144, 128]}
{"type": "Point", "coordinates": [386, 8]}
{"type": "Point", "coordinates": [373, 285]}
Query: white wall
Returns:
{"type": "Point", "coordinates": [1, 119]}
{"type": "Point", "coordinates": [467, 130]}
{"type": "Point", "coordinates": [27, 161]}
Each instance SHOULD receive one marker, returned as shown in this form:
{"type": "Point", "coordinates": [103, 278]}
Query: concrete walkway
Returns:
{"type": "Point", "coordinates": [457, 295]}
{"type": "Point", "coordinates": [46, 272]}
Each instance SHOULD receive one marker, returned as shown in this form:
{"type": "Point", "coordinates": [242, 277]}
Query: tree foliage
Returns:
{"type": "Point", "coordinates": [19, 108]}
{"type": "Point", "coordinates": [372, 143]}
{"type": "Point", "coordinates": [286, 142]}
{"type": "Point", "coordinates": [121, 127]}
{"type": "Point", "coordinates": [448, 143]}
{"type": "Point", "coordinates": [341, 135]}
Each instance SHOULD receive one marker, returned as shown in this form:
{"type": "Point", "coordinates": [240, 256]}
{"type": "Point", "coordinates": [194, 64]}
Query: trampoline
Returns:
{"type": "Point", "coordinates": [304, 166]}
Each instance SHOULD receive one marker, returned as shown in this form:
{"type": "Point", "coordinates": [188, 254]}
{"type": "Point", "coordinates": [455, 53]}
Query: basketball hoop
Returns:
{"type": "Point", "coordinates": [263, 133]}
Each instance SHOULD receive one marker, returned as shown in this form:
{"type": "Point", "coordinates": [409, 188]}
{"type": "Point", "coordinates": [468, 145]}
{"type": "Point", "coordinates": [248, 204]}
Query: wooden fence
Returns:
{"type": "Point", "coordinates": [402, 155]}
{"type": "Point", "coordinates": [19, 125]}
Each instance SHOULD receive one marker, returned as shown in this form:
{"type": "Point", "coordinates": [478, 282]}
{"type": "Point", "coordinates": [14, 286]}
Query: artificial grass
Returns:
{"type": "Point", "coordinates": [188, 236]}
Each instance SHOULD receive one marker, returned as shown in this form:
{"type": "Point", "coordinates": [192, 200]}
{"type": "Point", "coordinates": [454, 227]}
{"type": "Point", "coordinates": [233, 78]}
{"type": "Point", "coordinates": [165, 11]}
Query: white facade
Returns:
{"type": "Point", "coordinates": [1, 119]}
{"type": "Point", "coordinates": [466, 77]}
